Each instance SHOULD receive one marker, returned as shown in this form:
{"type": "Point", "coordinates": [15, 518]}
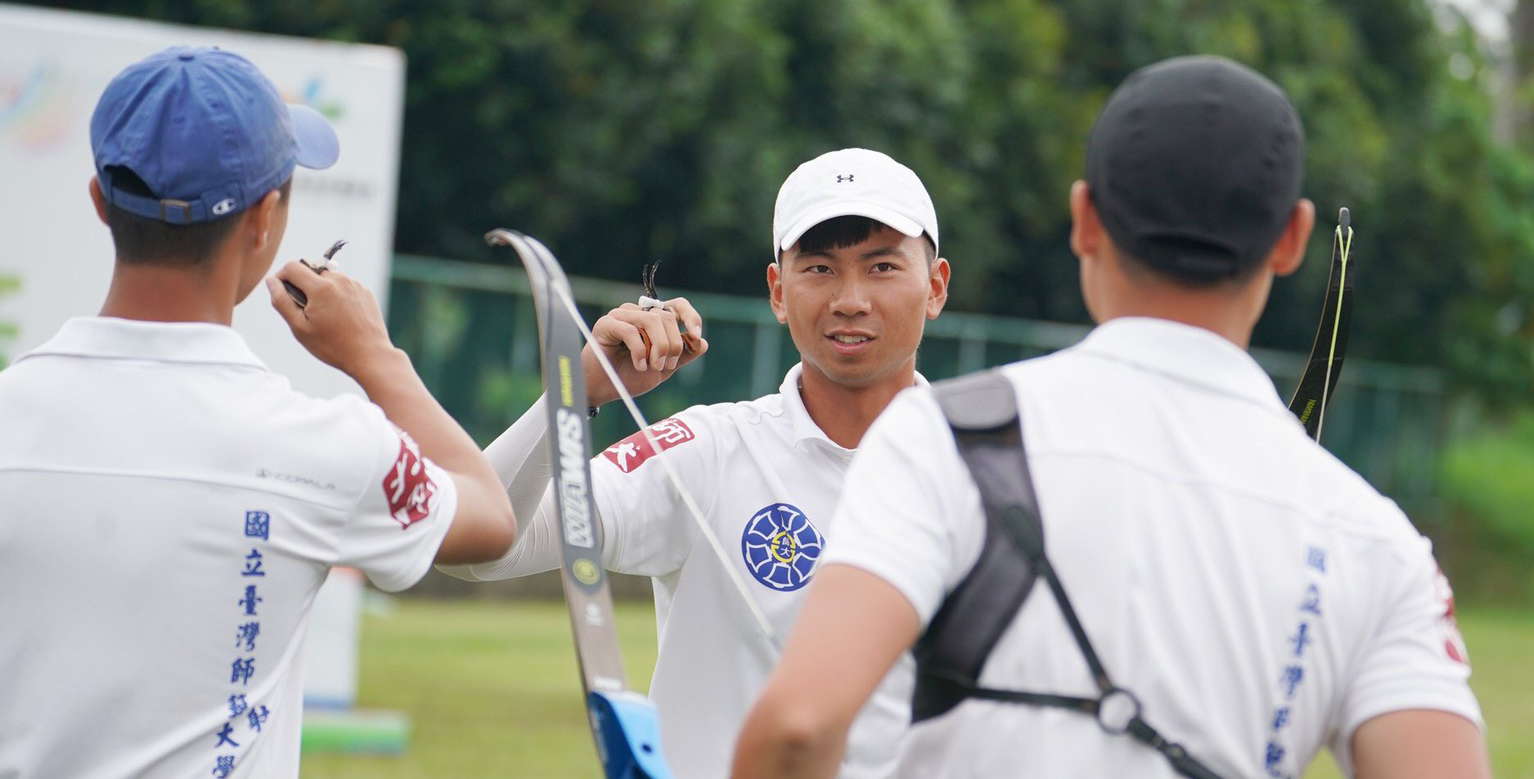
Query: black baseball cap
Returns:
{"type": "Point", "coordinates": [1195, 165]}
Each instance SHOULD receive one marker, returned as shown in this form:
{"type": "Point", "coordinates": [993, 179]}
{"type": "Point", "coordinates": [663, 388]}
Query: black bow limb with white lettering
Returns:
{"type": "Point", "coordinates": [623, 722]}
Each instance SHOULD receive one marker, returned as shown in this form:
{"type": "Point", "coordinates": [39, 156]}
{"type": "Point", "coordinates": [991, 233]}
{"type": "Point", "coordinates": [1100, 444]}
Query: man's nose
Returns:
{"type": "Point", "coordinates": [851, 297]}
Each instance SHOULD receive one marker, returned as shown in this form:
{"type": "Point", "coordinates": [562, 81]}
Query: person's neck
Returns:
{"type": "Point", "coordinates": [845, 413]}
{"type": "Point", "coordinates": [164, 293]}
{"type": "Point", "coordinates": [1230, 313]}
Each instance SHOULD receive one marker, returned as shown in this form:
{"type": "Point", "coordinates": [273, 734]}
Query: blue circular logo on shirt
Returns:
{"type": "Point", "coordinates": [780, 547]}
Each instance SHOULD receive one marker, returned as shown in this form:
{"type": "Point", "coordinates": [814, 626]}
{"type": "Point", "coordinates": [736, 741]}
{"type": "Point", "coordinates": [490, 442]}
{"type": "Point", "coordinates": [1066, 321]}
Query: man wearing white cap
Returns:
{"type": "Point", "coordinates": [168, 506]}
{"type": "Point", "coordinates": [855, 275]}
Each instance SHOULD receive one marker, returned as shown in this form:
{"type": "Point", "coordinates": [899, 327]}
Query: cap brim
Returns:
{"type": "Point", "coordinates": [318, 146]}
{"type": "Point", "coordinates": [873, 211]}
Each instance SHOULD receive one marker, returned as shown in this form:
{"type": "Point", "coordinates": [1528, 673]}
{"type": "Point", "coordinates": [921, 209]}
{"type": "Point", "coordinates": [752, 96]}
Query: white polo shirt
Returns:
{"type": "Point", "coordinates": [1258, 596]}
{"type": "Point", "coordinates": [766, 478]}
{"type": "Point", "coordinates": [168, 509]}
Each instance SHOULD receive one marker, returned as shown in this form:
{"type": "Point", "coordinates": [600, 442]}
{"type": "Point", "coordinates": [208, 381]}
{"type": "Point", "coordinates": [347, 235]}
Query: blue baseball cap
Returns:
{"type": "Point", "coordinates": [205, 131]}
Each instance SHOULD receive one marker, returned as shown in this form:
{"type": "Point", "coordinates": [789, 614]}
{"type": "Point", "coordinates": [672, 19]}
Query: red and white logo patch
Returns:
{"type": "Point", "coordinates": [407, 486]}
{"type": "Point", "coordinates": [1448, 626]}
{"type": "Point", "coordinates": [631, 452]}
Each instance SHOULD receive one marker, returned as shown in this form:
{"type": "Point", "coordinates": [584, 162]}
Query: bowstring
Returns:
{"type": "Point", "coordinates": [676, 481]}
{"type": "Point", "coordinates": [1344, 244]}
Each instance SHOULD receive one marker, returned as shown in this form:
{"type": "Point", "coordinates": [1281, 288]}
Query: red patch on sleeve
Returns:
{"type": "Point", "coordinates": [631, 452]}
{"type": "Point", "coordinates": [407, 486]}
{"type": "Point", "coordinates": [1448, 626]}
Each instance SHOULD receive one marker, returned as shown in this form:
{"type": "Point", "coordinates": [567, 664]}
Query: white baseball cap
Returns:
{"type": "Point", "coordinates": [851, 182]}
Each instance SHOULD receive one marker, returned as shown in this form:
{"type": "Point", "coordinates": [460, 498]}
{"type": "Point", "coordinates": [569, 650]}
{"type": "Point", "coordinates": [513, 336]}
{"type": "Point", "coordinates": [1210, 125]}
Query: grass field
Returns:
{"type": "Point", "coordinates": [491, 690]}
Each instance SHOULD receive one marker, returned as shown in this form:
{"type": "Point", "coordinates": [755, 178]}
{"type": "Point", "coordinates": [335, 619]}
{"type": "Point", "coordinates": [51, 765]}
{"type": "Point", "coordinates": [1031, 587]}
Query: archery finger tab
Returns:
{"type": "Point", "coordinates": [298, 296]}
{"type": "Point", "coordinates": [284, 303]}
{"type": "Point", "coordinates": [640, 356]}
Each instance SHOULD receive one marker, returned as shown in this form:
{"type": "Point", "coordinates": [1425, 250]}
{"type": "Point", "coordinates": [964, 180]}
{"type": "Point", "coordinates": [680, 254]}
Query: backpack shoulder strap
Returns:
{"type": "Point", "coordinates": [982, 411]}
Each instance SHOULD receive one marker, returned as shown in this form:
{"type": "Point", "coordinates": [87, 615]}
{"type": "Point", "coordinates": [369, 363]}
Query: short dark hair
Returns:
{"type": "Point", "coordinates": [143, 241]}
{"type": "Point", "coordinates": [844, 231]}
{"type": "Point", "coordinates": [1196, 278]}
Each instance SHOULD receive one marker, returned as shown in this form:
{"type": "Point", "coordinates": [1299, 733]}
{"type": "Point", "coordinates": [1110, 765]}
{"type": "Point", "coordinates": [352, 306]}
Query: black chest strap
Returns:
{"type": "Point", "coordinates": [982, 411]}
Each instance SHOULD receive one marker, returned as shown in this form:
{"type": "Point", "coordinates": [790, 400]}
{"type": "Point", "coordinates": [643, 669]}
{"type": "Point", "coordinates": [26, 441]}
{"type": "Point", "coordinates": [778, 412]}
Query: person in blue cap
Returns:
{"type": "Point", "coordinates": [168, 505]}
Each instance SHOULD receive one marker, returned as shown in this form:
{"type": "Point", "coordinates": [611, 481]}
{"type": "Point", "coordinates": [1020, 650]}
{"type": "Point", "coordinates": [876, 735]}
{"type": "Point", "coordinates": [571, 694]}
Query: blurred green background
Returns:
{"type": "Point", "coordinates": [622, 131]}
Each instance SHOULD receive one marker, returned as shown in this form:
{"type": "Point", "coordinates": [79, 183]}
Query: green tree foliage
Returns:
{"type": "Point", "coordinates": [9, 285]}
{"type": "Point", "coordinates": [621, 131]}
{"type": "Point", "coordinates": [1486, 485]}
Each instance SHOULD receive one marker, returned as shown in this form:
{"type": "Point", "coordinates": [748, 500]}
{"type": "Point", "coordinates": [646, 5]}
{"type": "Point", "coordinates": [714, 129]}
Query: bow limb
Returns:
{"type": "Point", "coordinates": [623, 723]}
{"type": "Point", "coordinates": [676, 481]}
{"type": "Point", "coordinates": [1319, 379]}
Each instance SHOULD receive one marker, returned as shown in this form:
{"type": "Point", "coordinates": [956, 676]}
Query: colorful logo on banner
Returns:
{"type": "Point", "coordinates": [36, 108]}
{"type": "Point", "coordinates": [313, 95]}
{"type": "Point", "coordinates": [780, 547]}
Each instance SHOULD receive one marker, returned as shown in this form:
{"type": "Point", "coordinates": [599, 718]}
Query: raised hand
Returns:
{"type": "Point", "coordinates": [646, 346]}
{"type": "Point", "coordinates": [339, 322]}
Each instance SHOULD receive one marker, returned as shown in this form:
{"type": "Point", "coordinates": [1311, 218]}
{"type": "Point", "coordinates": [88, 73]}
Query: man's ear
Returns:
{"type": "Point", "coordinates": [775, 291]}
{"type": "Point", "coordinates": [258, 220]}
{"type": "Point", "coordinates": [1289, 252]}
{"type": "Point", "coordinates": [937, 295]}
{"type": "Point", "coordinates": [98, 199]}
{"type": "Point", "coordinates": [1086, 226]}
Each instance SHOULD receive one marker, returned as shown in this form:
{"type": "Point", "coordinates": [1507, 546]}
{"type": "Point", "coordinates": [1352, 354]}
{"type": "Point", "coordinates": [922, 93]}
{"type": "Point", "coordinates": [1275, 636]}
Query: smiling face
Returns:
{"type": "Point", "coordinates": [856, 313]}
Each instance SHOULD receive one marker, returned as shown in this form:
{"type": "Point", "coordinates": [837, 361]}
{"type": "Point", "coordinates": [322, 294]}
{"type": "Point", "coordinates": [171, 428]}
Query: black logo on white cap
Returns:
{"type": "Point", "coordinates": [843, 178]}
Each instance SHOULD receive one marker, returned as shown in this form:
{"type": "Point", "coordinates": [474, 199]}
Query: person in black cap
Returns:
{"type": "Point", "coordinates": [168, 506]}
{"type": "Point", "coordinates": [1242, 597]}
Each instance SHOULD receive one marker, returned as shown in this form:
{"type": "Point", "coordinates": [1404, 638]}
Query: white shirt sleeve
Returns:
{"type": "Point", "coordinates": [520, 457]}
{"type": "Point", "coordinates": [1416, 659]}
{"type": "Point", "coordinates": [909, 513]}
{"type": "Point", "coordinates": [645, 527]}
{"type": "Point", "coordinates": [402, 514]}
{"type": "Point", "coordinates": [648, 528]}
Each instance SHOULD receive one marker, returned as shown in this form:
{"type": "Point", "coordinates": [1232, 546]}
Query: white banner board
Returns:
{"type": "Point", "coordinates": [56, 256]}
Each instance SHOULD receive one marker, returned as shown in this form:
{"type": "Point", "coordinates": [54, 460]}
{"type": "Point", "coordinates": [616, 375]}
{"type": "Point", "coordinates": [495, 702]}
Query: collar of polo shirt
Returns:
{"type": "Point", "coordinates": [1191, 354]}
{"type": "Point", "coordinates": [183, 342]}
{"type": "Point", "coordinates": [805, 428]}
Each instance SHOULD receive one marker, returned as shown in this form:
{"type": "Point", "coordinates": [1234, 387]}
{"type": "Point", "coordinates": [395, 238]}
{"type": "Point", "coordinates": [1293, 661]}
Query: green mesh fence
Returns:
{"type": "Point", "coordinates": [471, 331]}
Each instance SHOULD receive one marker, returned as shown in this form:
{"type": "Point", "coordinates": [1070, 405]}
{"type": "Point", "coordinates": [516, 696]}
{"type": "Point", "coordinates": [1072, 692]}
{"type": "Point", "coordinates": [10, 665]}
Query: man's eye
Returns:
{"type": "Point", "coordinates": [884, 267]}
